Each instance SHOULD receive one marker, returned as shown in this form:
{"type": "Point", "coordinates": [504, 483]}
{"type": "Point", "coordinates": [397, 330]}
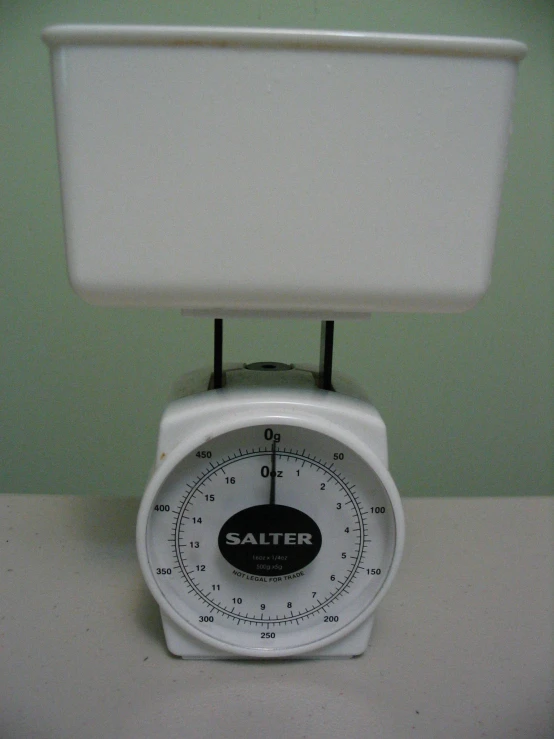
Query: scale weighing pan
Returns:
{"type": "Point", "coordinates": [234, 171]}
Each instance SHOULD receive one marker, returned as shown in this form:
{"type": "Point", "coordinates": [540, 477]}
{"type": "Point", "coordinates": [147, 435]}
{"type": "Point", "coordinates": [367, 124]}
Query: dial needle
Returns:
{"type": "Point", "coordinates": [272, 476]}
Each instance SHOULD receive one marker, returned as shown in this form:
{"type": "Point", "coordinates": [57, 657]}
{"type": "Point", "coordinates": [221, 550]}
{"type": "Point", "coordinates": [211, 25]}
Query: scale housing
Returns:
{"type": "Point", "coordinates": [194, 409]}
{"type": "Point", "coordinates": [233, 171]}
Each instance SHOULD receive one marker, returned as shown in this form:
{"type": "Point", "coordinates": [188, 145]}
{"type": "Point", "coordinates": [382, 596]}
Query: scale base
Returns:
{"type": "Point", "coordinates": [251, 393]}
{"type": "Point", "coordinates": [181, 644]}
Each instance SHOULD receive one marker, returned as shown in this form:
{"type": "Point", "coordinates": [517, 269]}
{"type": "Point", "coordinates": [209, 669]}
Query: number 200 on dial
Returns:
{"type": "Point", "coordinates": [273, 538]}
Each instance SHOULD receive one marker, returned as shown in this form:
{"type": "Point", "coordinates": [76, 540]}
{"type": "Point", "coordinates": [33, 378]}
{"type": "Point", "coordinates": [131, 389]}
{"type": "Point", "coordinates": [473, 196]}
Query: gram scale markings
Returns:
{"type": "Point", "coordinates": [263, 452]}
{"type": "Point", "coordinates": [213, 470]}
{"type": "Point", "coordinates": [331, 473]}
{"type": "Point", "coordinates": [322, 605]}
{"type": "Point", "coordinates": [193, 588]}
{"type": "Point", "coordinates": [193, 487]}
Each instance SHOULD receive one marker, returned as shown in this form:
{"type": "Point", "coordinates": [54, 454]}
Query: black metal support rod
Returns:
{"type": "Point", "coordinates": [218, 353]}
{"type": "Point", "coordinates": [326, 355]}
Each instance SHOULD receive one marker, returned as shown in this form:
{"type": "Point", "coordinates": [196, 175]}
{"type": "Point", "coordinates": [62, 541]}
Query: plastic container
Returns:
{"type": "Point", "coordinates": [256, 171]}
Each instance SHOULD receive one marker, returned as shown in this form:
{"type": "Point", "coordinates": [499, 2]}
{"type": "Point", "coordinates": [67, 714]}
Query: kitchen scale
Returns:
{"type": "Point", "coordinates": [231, 172]}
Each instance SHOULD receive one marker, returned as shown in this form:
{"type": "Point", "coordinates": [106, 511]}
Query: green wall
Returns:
{"type": "Point", "coordinates": [467, 398]}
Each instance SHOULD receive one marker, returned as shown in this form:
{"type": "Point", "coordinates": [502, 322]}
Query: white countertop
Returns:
{"type": "Point", "coordinates": [462, 647]}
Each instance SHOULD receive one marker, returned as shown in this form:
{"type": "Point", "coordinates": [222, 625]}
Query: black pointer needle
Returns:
{"type": "Point", "coordinates": [272, 476]}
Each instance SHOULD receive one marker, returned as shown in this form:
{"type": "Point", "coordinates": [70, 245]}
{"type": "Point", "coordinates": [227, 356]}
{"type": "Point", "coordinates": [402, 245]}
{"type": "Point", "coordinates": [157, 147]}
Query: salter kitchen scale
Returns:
{"type": "Point", "coordinates": [230, 172]}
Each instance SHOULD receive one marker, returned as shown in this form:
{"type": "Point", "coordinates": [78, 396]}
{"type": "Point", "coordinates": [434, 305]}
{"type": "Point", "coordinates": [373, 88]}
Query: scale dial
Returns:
{"type": "Point", "coordinates": [270, 539]}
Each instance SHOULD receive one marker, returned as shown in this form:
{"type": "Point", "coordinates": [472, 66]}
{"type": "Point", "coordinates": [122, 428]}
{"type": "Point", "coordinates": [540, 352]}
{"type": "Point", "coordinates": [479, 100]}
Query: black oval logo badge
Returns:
{"type": "Point", "coordinates": [270, 540]}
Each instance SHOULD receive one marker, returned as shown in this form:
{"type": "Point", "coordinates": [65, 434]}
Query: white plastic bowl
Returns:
{"type": "Point", "coordinates": [256, 171]}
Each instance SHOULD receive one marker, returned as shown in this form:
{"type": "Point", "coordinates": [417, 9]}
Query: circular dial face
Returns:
{"type": "Point", "coordinates": [270, 538]}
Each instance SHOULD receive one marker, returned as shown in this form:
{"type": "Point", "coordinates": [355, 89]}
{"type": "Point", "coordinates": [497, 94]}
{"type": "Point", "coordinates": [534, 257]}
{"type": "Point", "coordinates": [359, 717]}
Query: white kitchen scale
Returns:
{"type": "Point", "coordinates": [233, 171]}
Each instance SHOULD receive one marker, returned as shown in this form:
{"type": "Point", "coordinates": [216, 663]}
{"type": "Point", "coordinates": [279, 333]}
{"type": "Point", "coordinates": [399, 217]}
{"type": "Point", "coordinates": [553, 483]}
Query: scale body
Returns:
{"type": "Point", "coordinates": [276, 172]}
{"type": "Point", "coordinates": [236, 575]}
